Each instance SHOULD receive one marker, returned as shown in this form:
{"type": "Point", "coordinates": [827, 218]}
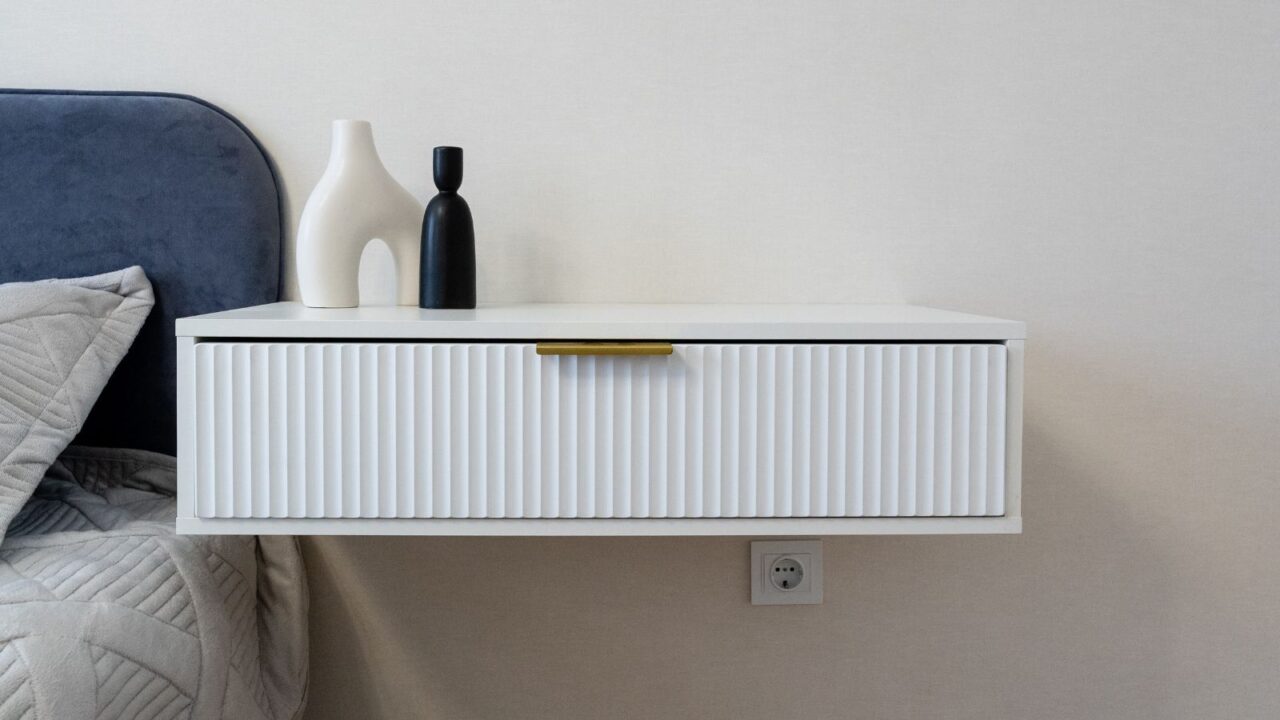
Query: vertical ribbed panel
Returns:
{"type": "Point", "coordinates": [495, 430]}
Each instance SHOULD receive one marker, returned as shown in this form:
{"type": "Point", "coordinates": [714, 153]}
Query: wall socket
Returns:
{"type": "Point", "coordinates": [786, 572]}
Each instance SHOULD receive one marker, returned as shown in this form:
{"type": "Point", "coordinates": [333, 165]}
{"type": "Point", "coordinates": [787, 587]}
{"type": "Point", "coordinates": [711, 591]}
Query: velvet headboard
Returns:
{"type": "Point", "coordinates": [92, 182]}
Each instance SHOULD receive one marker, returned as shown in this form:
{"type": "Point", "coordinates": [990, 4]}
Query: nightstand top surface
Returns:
{"type": "Point", "coordinates": [538, 321]}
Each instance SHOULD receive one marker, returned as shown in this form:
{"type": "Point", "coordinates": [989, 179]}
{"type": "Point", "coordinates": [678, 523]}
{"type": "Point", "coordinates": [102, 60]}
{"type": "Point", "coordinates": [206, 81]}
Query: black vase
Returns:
{"type": "Point", "coordinates": [448, 270]}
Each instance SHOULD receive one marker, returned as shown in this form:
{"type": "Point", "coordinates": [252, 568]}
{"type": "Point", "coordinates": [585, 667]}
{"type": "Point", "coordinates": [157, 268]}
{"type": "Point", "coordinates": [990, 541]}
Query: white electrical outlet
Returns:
{"type": "Point", "coordinates": [786, 572]}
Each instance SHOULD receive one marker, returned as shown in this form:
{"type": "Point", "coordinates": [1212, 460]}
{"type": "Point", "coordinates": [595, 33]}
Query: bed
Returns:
{"type": "Point", "coordinates": [172, 205]}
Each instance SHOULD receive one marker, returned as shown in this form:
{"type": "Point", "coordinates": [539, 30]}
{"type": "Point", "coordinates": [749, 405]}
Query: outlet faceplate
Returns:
{"type": "Point", "coordinates": [786, 572]}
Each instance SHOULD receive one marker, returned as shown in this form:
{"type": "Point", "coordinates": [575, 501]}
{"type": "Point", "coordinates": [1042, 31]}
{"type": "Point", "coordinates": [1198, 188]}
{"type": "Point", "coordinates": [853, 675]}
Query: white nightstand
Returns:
{"type": "Point", "coordinates": [599, 420]}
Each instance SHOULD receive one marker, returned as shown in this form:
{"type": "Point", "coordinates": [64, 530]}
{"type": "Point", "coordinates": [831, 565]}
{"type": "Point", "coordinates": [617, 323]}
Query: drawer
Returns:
{"type": "Point", "coordinates": [493, 430]}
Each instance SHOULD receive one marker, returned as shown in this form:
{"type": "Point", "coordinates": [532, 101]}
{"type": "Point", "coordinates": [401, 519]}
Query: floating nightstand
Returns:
{"type": "Point", "coordinates": [599, 420]}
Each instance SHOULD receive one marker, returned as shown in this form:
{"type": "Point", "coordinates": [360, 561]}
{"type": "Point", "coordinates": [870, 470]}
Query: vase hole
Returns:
{"type": "Point", "coordinates": [378, 285]}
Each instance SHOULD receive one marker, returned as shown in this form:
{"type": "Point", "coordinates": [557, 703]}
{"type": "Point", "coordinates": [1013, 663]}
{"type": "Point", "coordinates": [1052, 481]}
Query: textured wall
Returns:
{"type": "Point", "coordinates": [1107, 171]}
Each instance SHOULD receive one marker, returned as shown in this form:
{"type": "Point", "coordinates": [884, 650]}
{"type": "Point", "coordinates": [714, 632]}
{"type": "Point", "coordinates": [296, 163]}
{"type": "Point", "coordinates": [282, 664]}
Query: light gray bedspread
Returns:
{"type": "Point", "coordinates": [106, 613]}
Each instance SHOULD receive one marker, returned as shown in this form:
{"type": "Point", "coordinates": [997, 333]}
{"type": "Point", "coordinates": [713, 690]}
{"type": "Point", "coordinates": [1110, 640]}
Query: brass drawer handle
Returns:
{"type": "Point", "coordinates": [604, 348]}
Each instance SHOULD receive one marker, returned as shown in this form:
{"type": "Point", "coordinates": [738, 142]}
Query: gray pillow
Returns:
{"type": "Point", "coordinates": [60, 340]}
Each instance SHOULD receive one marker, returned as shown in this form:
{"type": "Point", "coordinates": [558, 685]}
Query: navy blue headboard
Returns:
{"type": "Point", "coordinates": [92, 182]}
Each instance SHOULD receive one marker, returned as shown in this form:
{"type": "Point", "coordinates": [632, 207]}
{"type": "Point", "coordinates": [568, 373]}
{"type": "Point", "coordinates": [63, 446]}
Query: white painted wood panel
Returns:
{"type": "Point", "coordinates": [493, 430]}
{"type": "Point", "coordinates": [638, 321]}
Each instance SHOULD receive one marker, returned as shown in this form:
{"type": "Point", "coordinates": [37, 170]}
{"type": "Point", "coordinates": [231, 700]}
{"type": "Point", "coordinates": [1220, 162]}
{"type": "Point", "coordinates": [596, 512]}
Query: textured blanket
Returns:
{"type": "Point", "coordinates": [106, 613]}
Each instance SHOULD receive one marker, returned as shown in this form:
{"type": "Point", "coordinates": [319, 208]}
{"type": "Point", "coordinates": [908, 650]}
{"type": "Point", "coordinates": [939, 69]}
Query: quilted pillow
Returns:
{"type": "Point", "coordinates": [60, 340]}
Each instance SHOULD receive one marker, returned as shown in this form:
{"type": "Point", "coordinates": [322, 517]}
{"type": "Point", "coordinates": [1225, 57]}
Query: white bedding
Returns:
{"type": "Point", "coordinates": [106, 613]}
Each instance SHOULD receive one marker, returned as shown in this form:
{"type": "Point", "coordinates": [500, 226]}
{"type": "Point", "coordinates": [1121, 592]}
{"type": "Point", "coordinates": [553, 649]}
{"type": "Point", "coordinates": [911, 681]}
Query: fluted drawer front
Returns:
{"type": "Point", "coordinates": [295, 429]}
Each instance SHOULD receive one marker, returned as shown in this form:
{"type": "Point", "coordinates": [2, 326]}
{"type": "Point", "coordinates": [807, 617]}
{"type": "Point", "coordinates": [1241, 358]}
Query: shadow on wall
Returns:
{"type": "Point", "coordinates": [1073, 618]}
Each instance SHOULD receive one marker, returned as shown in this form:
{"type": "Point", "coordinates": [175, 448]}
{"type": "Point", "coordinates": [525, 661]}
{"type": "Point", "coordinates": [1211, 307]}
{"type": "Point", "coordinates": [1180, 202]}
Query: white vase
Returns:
{"type": "Point", "coordinates": [356, 201]}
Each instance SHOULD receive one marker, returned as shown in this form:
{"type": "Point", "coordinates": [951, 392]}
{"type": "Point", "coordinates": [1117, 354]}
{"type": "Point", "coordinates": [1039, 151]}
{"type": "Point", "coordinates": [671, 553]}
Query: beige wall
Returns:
{"type": "Point", "coordinates": [1107, 171]}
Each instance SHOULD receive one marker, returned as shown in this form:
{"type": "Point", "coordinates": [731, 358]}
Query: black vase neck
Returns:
{"type": "Point", "coordinates": [447, 164]}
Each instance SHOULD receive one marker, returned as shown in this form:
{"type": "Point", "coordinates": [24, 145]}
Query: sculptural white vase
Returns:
{"type": "Point", "coordinates": [356, 201]}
